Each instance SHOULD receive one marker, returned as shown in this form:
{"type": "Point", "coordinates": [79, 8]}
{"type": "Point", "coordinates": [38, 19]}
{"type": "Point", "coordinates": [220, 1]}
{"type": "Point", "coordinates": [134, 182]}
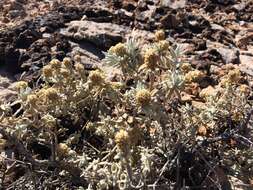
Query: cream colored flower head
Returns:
{"type": "Point", "coordinates": [163, 45]}
{"type": "Point", "coordinates": [65, 73]}
{"type": "Point", "coordinates": [47, 71]}
{"type": "Point", "coordinates": [3, 144]}
{"type": "Point", "coordinates": [97, 77]}
{"type": "Point", "coordinates": [185, 67]}
{"type": "Point", "coordinates": [244, 89]}
{"type": "Point", "coordinates": [150, 59]}
{"type": "Point", "coordinates": [67, 62]}
{"type": "Point", "coordinates": [21, 85]}
{"type": "Point", "coordinates": [193, 76]}
{"type": "Point", "coordinates": [119, 49]}
{"type": "Point", "coordinates": [79, 67]}
{"type": "Point", "coordinates": [63, 149]}
{"type": "Point", "coordinates": [55, 64]}
{"type": "Point", "coordinates": [32, 99]}
{"type": "Point", "coordinates": [143, 97]}
{"type": "Point", "coordinates": [77, 58]}
{"type": "Point", "coordinates": [122, 139]}
{"type": "Point", "coordinates": [234, 75]}
{"type": "Point", "coordinates": [160, 35]}
{"type": "Point", "coordinates": [52, 94]}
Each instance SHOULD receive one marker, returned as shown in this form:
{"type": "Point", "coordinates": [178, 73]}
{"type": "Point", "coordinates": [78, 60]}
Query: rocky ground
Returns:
{"type": "Point", "coordinates": [213, 33]}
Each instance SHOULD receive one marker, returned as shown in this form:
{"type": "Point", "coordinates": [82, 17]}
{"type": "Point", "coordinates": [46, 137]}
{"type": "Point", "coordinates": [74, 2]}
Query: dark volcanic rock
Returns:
{"type": "Point", "coordinates": [169, 21]}
{"type": "Point", "coordinates": [12, 57]}
{"type": "Point", "coordinates": [23, 45]}
{"type": "Point", "coordinates": [197, 23]}
{"type": "Point", "coordinates": [26, 38]}
{"type": "Point", "coordinates": [104, 35]}
{"type": "Point", "coordinates": [200, 44]}
{"type": "Point", "coordinates": [99, 15]}
{"type": "Point", "coordinates": [211, 55]}
{"type": "Point", "coordinates": [16, 13]}
{"type": "Point", "coordinates": [223, 2]}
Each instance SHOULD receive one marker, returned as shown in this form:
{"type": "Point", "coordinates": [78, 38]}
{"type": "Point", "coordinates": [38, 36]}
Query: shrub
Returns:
{"type": "Point", "coordinates": [134, 129]}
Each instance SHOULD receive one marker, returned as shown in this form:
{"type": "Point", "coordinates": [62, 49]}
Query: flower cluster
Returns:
{"type": "Point", "coordinates": [157, 118]}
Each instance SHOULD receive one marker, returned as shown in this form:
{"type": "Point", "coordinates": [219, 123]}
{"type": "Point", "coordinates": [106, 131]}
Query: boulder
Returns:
{"type": "Point", "coordinates": [103, 35]}
{"type": "Point", "coordinates": [246, 64]}
{"type": "Point", "coordinates": [229, 55]}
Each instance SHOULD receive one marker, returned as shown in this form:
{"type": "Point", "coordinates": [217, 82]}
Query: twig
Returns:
{"type": "Point", "coordinates": [211, 169]}
{"type": "Point", "coordinates": [244, 139]}
{"type": "Point", "coordinates": [19, 181]}
{"type": "Point", "coordinates": [110, 153]}
{"type": "Point", "coordinates": [18, 111]}
{"type": "Point", "coordinates": [164, 169]}
{"type": "Point", "coordinates": [2, 178]}
{"type": "Point", "coordinates": [94, 148]}
{"type": "Point", "coordinates": [178, 168]}
{"type": "Point", "coordinates": [13, 160]}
